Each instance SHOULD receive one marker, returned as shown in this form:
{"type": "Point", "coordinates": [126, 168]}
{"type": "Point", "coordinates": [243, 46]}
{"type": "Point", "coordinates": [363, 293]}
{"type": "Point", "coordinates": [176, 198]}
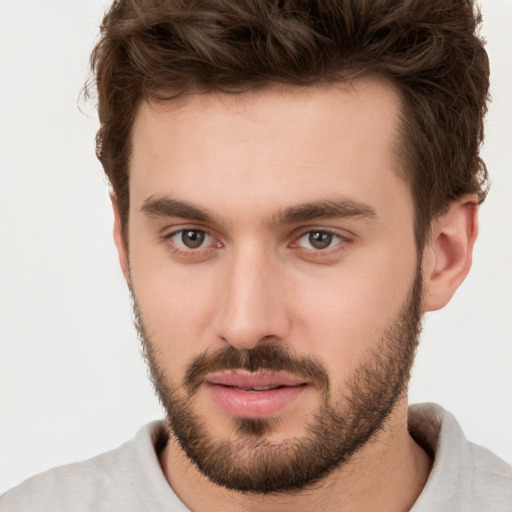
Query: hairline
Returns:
{"type": "Point", "coordinates": [177, 99]}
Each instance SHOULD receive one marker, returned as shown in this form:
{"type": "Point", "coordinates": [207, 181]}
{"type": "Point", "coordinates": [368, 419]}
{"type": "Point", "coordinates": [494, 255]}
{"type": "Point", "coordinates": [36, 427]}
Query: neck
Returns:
{"type": "Point", "coordinates": [387, 474]}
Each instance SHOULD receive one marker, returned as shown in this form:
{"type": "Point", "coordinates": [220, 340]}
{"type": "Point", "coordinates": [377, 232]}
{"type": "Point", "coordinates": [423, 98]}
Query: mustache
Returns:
{"type": "Point", "coordinates": [270, 358]}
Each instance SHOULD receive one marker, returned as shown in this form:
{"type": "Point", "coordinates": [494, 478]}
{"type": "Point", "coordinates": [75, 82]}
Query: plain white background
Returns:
{"type": "Point", "coordinates": [72, 382]}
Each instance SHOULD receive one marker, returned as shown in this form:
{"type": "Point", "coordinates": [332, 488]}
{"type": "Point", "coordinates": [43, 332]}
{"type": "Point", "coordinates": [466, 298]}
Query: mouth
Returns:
{"type": "Point", "coordinates": [242, 394]}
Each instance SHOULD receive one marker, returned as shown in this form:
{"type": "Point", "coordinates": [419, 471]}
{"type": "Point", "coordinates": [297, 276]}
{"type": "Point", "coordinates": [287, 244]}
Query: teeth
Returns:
{"type": "Point", "coordinates": [259, 388]}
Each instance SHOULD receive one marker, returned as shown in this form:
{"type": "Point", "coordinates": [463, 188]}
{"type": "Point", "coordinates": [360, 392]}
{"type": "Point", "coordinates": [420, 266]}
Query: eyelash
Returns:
{"type": "Point", "coordinates": [194, 252]}
{"type": "Point", "coordinates": [331, 234]}
{"type": "Point", "coordinates": [188, 252]}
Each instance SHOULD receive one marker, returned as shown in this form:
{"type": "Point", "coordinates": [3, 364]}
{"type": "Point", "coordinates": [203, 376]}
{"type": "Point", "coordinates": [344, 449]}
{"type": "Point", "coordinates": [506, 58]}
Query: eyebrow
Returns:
{"type": "Point", "coordinates": [326, 209]}
{"type": "Point", "coordinates": [168, 207]}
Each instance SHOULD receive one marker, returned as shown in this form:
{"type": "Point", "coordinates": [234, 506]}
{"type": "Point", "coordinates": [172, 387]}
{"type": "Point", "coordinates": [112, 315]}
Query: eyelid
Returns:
{"type": "Point", "coordinates": [171, 230]}
{"type": "Point", "coordinates": [167, 237]}
{"type": "Point", "coordinates": [343, 234]}
{"type": "Point", "coordinates": [343, 240]}
{"type": "Point", "coordinates": [206, 241]}
{"type": "Point", "coordinates": [345, 237]}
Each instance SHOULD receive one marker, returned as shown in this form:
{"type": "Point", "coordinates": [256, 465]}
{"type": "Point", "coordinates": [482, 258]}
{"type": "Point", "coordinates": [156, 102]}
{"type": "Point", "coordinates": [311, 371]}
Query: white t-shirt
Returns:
{"type": "Point", "coordinates": [464, 478]}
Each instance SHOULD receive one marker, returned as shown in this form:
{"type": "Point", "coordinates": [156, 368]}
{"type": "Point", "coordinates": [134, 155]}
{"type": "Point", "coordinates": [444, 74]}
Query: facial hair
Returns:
{"type": "Point", "coordinates": [252, 463]}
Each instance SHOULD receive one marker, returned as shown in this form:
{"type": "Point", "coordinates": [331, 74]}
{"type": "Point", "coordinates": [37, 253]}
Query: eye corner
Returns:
{"type": "Point", "coordinates": [319, 239]}
{"type": "Point", "coordinates": [188, 242]}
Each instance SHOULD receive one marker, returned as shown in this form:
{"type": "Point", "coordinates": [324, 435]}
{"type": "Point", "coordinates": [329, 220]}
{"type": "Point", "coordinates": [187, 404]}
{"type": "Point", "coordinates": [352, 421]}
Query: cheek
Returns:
{"type": "Point", "coordinates": [341, 317]}
{"type": "Point", "coordinates": [176, 303]}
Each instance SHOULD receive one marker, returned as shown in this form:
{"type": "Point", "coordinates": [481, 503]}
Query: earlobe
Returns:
{"type": "Point", "coordinates": [448, 254]}
{"type": "Point", "coordinates": [119, 238]}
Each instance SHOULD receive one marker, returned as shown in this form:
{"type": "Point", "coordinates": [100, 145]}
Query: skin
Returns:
{"type": "Point", "coordinates": [245, 159]}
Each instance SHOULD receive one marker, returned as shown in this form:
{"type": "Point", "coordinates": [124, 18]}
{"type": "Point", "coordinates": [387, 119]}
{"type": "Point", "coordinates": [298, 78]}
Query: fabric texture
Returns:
{"type": "Point", "coordinates": [464, 477]}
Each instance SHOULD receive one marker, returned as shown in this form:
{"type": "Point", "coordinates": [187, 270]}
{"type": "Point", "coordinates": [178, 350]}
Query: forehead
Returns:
{"type": "Point", "coordinates": [280, 142]}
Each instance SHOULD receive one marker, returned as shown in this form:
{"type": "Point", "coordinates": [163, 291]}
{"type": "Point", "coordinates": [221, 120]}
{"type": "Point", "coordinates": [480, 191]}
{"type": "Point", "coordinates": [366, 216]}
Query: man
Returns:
{"type": "Point", "coordinates": [294, 184]}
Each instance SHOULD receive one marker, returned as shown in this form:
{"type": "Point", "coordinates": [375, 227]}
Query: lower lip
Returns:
{"type": "Point", "coordinates": [253, 404]}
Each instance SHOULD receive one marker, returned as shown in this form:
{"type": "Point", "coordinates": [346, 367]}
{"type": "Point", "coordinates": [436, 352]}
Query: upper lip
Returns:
{"type": "Point", "coordinates": [244, 379]}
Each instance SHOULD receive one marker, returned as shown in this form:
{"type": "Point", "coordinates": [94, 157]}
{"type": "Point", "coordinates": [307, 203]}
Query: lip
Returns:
{"type": "Point", "coordinates": [234, 392]}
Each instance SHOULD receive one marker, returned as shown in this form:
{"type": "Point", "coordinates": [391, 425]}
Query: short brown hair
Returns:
{"type": "Point", "coordinates": [430, 50]}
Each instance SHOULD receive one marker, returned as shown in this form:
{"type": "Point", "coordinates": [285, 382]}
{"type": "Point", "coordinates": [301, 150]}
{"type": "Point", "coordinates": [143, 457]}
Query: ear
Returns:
{"type": "Point", "coordinates": [448, 254]}
{"type": "Point", "coordinates": [122, 248]}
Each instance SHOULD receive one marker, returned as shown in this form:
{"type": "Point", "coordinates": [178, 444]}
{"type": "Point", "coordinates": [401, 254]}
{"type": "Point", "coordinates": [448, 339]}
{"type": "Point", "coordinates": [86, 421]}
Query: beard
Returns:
{"type": "Point", "coordinates": [250, 462]}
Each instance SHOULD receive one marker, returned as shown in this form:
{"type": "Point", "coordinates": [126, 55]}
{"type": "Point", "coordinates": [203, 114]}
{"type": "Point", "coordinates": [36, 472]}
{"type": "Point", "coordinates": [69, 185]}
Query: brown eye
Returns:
{"type": "Point", "coordinates": [192, 238]}
{"type": "Point", "coordinates": [320, 239]}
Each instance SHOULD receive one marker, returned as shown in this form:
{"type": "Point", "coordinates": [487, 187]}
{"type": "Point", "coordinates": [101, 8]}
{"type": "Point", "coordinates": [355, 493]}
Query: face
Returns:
{"type": "Point", "coordinates": [274, 271]}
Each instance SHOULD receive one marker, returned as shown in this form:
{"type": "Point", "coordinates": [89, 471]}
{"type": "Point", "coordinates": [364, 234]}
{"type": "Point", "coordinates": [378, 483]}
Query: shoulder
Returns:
{"type": "Point", "coordinates": [82, 484]}
{"type": "Point", "coordinates": [102, 483]}
{"type": "Point", "coordinates": [464, 476]}
{"type": "Point", "coordinates": [491, 477]}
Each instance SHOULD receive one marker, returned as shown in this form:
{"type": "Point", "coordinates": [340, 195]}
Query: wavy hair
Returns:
{"type": "Point", "coordinates": [429, 49]}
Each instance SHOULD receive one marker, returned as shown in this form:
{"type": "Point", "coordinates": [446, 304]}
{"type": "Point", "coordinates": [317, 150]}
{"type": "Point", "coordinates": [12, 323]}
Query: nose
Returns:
{"type": "Point", "coordinates": [252, 304]}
